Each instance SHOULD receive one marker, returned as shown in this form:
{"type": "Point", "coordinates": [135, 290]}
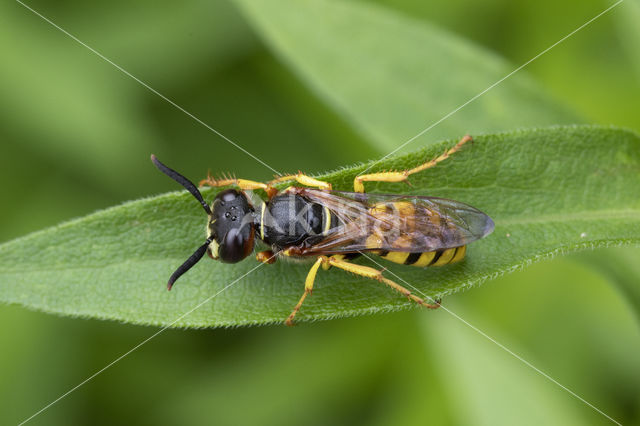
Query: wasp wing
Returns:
{"type": "Point", "coordinates": [408, 223]}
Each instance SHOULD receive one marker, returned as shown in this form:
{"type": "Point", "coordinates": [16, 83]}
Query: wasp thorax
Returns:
{"type": "Point", "coordinates": [230, 227]}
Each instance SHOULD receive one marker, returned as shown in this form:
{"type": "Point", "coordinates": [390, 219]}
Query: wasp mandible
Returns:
{"type": "Point", "coordinates": [313, 221]}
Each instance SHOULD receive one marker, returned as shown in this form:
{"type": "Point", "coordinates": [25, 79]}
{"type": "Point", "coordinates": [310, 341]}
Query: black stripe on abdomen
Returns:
{"type": "Point", "coordinates": [436, 257]}
{"type": "Point", "coordinates": [413, 258]}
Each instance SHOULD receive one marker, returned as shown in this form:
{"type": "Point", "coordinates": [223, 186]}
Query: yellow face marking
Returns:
{"type": "Point", "coordinates": [209, 227]}
{"type": "Point", "coordinates": [446, 257]}
{"type": "Point", "coordinates": [397, 256]}
{"type": "Point", "coordinates": [213, 247]}
{"type": "Point", "coordinates": [459, 254]}
{"type": "Point", "coordinates": [264, 208]}
{"type": "Point", "coordinates": [425, 259]}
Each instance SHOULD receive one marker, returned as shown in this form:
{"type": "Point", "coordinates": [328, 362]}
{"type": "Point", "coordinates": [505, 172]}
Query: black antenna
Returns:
{"type": "Point", "coordinates": [192, 260]}
{"type": "Point", "coordinates": [188, 185]}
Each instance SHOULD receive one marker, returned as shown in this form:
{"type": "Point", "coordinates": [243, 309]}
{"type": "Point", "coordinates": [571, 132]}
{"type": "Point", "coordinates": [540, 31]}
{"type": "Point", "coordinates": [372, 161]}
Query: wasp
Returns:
{"type": "Point", "coordinates": [312, 221]}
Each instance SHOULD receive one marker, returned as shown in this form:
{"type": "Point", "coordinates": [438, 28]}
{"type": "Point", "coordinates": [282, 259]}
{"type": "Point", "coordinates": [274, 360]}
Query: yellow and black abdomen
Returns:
{"type": "Point", "coordinates": [431, 258]}
{"type": "Point", "coordinates": [411, 225]}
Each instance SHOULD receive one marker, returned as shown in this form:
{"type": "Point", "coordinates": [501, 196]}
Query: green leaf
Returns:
{"type": "Point", "coordinates": [621, 268]}
{"type": "Point", "coordinates": [391, 76]}
{"type": "Point", "coordinates": [550, 191]}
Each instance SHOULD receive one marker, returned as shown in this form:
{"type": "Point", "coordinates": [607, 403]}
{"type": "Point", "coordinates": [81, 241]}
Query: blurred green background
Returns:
{"type": "Point", "coordinates": [76, 136]}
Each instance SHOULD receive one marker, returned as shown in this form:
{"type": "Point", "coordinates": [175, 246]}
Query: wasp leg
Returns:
{"type": "Point", "coordinates": [303, 179]}
{"type": "Point", "coordinates": [308, 288]}
{"type": "Point", "coordinates": [401, 176]}
{"type": "Point", "coordinates": [242, 183]}
{"type": "Point", "coordinates": [266, 256]}
{"type": "Point", "coordinates": [372, 273]}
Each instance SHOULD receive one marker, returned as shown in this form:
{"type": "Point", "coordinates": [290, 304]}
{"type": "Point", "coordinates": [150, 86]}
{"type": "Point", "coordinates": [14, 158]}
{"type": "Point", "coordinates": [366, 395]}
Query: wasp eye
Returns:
{"type": "Point", "coordinates": [236, 245]}
{"type": "Point", "coordinates": [233, 234]}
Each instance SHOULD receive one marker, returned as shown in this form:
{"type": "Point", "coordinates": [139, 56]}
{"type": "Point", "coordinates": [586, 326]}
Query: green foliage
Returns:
{"type": "Point", "coordinates": [622, 269]}
{"type": "Point", "coordinates": [76, 137]}
{"type": "Point", "coordinates": [390, 88]}
{"type": "Point", "coordinates": [549, 191]}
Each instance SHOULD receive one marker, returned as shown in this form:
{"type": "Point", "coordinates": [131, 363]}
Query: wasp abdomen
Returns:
{"type": "Point", "coordinates": [431, 258]}
{"type": "Point", "coordinates": [403, 225]}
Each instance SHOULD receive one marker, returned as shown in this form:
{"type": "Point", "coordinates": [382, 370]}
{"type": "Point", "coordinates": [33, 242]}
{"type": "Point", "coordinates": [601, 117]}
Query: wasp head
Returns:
{"type": "Point", "coordinates": [230, 229]}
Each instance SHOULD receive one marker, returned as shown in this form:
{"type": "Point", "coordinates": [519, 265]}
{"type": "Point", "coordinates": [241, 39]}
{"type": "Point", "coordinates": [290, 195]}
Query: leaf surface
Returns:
{"type": "Point", "coordinates": [549, 191]}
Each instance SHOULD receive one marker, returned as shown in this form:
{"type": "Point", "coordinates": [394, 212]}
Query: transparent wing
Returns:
{"type": "Point", "coordinates": [372, 222]}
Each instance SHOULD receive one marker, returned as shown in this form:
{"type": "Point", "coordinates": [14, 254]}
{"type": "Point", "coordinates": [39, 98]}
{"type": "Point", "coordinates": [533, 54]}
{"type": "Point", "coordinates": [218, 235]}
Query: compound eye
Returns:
{"type": "Point", "coordinates": [234, 247]}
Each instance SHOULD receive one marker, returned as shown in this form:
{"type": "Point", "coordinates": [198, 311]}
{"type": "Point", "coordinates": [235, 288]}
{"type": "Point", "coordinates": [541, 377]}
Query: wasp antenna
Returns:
{"type": "Point", "coordinates": [192, 260]}
{"type": "Point", "coordinates": [186, 183]}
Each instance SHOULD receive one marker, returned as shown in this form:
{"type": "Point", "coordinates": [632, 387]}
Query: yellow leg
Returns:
{"type": "Point", "coordinates": [242, 183]}
{"type": "Point", "coordinates": [303, 179]}
{"type": "Point", "coordinates": [308, 288]}
{"type": "Point", "coordinates": [268, 187]}
{"type": "Point", "coordinates": [372, 273]}
{"type": "Point", "coordinates": [358, 182]}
